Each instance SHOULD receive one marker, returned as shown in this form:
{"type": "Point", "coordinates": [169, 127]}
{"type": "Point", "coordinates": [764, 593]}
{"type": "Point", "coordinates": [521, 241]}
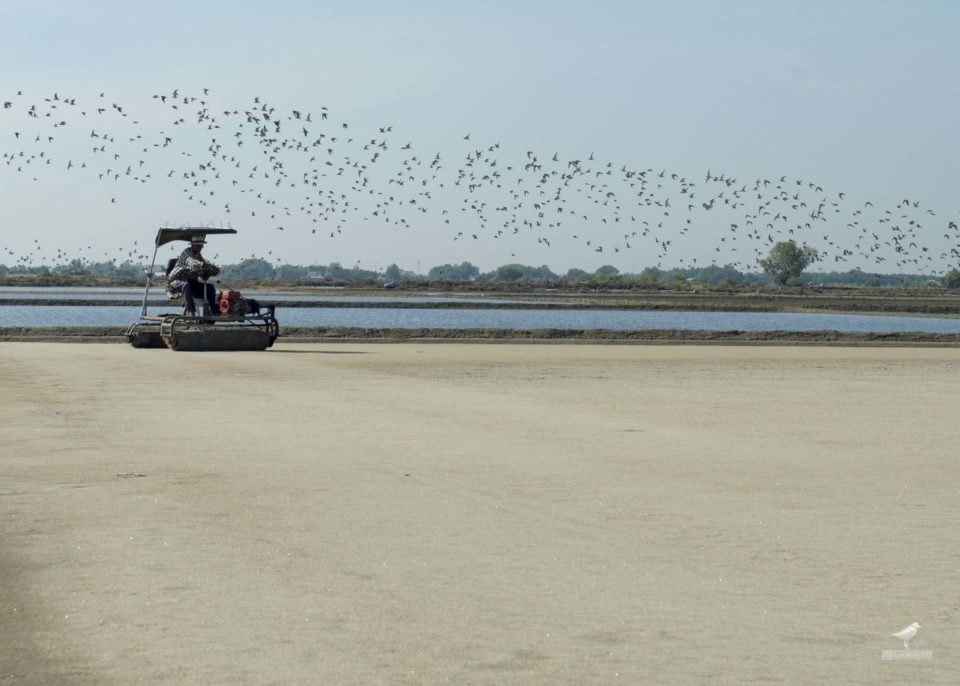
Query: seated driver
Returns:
{"type": "Point", "coordinates": [185, 277]}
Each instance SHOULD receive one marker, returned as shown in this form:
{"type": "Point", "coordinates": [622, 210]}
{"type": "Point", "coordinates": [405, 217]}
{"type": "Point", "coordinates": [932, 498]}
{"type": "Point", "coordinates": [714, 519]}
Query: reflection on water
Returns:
{"type": "Point", "coordinates": [370, 318]}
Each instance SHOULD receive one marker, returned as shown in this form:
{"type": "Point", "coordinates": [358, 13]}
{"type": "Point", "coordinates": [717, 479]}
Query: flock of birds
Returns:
{"type": "Point", "coordinates": [294, 170]}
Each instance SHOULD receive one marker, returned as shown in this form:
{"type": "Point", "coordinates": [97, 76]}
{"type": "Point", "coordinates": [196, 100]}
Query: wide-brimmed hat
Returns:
{"type": "Point", "coordinates": [198, 238]}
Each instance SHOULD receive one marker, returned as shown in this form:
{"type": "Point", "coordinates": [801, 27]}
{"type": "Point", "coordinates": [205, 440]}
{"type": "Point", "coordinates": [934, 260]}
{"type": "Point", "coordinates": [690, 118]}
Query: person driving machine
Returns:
{"type": "Point", "coordinates": [188, 277]}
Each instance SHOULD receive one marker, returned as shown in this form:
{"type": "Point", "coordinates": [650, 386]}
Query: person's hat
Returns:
{"type": "Point", "coordinates": [198, 238]}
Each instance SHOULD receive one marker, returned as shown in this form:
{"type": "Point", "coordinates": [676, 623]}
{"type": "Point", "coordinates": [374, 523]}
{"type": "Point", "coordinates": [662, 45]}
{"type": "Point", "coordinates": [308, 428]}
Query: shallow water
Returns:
{"type": "Point", "coordinates": [24, 315]}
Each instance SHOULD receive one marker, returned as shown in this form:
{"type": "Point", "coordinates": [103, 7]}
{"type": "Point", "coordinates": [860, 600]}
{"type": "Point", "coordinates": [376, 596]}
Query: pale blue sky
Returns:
{"type": "Point", "coordinates": [859, 97]}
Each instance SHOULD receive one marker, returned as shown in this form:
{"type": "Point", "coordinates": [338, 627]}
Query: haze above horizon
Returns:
{"type": "Point", "coordinates": [622, 133]}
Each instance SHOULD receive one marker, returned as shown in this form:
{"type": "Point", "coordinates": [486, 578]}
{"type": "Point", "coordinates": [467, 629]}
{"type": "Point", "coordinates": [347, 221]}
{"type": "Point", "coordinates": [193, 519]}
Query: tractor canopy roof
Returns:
{"type": "Point", "coordinates": [186, 233]}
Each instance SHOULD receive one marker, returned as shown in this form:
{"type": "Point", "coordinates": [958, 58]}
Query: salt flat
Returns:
{"type": "Point", "coordinates": [535, 514]}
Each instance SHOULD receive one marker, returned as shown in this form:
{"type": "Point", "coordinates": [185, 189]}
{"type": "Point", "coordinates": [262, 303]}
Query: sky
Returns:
{"type": "Point", "coordinates": [853, 98]}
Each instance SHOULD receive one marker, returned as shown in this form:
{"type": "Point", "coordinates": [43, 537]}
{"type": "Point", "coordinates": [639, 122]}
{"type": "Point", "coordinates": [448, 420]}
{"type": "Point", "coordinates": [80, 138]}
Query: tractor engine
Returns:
{"type": "Point", "coordinates": [232, 303]}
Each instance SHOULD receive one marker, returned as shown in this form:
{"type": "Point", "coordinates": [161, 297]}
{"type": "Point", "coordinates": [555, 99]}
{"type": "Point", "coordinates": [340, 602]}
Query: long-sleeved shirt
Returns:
{"type": "Point", "coordinates": [190, 265]}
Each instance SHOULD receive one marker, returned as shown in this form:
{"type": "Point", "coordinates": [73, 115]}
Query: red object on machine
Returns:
{"type": "Point", "coordinates": [230, 301]}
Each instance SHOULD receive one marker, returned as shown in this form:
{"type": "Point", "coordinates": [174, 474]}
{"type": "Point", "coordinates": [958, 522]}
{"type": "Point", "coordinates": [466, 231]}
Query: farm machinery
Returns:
{"type": "Point", "coordinates": [241, 324]}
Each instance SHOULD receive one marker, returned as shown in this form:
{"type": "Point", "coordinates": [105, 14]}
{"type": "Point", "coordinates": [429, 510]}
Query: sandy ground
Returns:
{"type": "Point", "coordinates": [364, 513]}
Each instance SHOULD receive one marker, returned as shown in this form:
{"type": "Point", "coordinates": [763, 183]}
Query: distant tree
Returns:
{"type": "Point", "coordinates": [576, 273]}
{"type": "Point", "coordinates": [4, 269]}
{"type": "Point", "coordinates": [102, 268]}
{"type": "Point", "coordinates": [337, 271]}
{"type": "Point", "coordinates": [253, 268]}
{"type": "Point", "coordinates": [787, 261]}
{"type": "Point", "coordinates": [541, 273]}
{"type": "Point", "coordinates": [393, 273]}
{"type": "Point", "coordinates": [129, 270]}
{"type": "Point", "coordinates": [74, 266]}
{"type": "Point", "coordinates": [454, 272]}
{"type": "Point", "coordinates": [644, 279]}
{"type": "Point", "coordinates": [951, 279]}
{"type": "Point", "coordinates": [510, 272]}
{"type": "Point", "coordinates": [607, 270]}
{"type": "Point", "coordinates": [363, 274]}
{"type": "Point", "coordinates": [334, 270]}
{"type": "Point", "coordinates": [468, 272]}
{"type": "Point", "coordinates": [289, 272]}
{"type": "Point", "coordinates": [726, 275]}
{"type": "Point", "coordinates": [523, 272]}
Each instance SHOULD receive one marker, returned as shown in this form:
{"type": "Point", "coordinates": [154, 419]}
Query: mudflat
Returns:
{"type": "Point", "coordinates": [530, 514]}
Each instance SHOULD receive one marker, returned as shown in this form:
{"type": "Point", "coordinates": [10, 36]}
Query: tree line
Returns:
{"type": "Point", "coordinates": [786, 265]}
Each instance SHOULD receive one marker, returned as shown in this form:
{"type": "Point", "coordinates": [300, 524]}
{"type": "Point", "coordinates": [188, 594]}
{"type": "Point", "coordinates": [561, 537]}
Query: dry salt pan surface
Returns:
{"type": "Point", "coordinates": [407, 514]}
